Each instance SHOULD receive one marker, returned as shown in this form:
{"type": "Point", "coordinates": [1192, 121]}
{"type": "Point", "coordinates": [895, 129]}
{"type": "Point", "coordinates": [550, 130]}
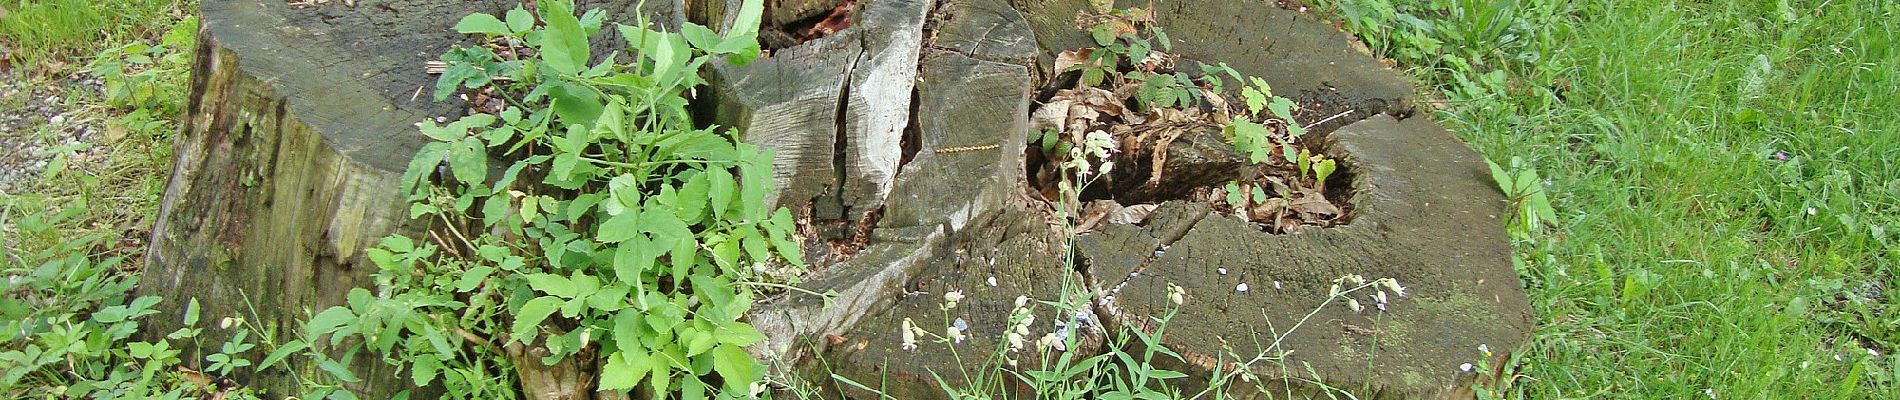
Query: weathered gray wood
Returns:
{"type": "Point", "coordinates": [1426, 216]}
{"type": "Point", "coordinates": [834, 109]}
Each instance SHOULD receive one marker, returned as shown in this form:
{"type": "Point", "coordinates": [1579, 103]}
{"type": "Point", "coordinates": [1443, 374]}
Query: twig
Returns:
{"type": "Point", "coordinates": [1328, 119]}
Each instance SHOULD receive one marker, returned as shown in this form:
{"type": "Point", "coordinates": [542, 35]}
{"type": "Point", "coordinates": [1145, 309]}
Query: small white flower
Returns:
{"type": "Point", "coordinates": [1333, 291]}
{"type": "Point", "coordinates": [1022, 301]}
{"type": "Point", "coordinates": [950, 299]}
{"type": "Point", "coordinates": [226, 323]}
{"type": "Point", "coordinates": [1484, 348]}
{"type": "Point", "coordinates": [1048, 341]}
{"type": "Point", "coordinates": [1242, 287]}
{"type": "Point", "coordinates": [910, 336]}
{"type": "Point", "coordinates": [1354, 305]}
{"type": "Point", "coordinates": [1393, 284]}
{"type": "Point", "coordinates": [1107, 166]}
{"type": "Point", "coordinates": [1015, 341]}
{"type": "Point", "coordinates": [1176, 294]}
{"type": "Point", "coordinates": [1380, 297]}
{"type": "Point", "coordinates": [956, 335]}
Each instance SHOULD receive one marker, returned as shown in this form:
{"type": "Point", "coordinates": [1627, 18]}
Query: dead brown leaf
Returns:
{"type": "Point", "coordinates": [1053, 116]}
{"type": "Point", "coordinates": [1073, 58]}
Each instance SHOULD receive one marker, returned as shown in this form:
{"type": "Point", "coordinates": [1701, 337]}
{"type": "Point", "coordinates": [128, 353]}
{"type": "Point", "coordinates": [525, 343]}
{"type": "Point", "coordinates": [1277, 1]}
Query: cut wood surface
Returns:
{"type": "Point", "coordinates": [904, 133]}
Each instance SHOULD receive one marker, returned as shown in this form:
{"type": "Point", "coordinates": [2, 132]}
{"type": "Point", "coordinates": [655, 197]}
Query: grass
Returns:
{"type": "Point", "coordinates": [1724, 175]}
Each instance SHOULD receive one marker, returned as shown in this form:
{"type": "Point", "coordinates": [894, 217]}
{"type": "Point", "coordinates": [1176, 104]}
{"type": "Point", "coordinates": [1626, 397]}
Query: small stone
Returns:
{"type": "Point", "coordinates": [1223, 271]}
{"type": "Point", "coordinates": [1242, 287]}
{"type": "Point", "coordinates": [992, 281]}
{"type": "Point", "coordinates": [1466, 367]}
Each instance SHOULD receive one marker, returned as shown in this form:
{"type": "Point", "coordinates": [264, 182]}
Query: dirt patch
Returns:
{"type": "Point", "coordinates": [45, 120]}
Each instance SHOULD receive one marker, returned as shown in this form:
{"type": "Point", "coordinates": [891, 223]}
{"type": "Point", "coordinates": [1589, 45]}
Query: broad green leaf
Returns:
{"type": "Point", "coordinates": [469, 161]}
{"type": "Point", "coordinates": [341, 372]}
{"type": "Point", "coordinates": [191, 312]}
{"type": "Point", "coordinates": [735, 366]}
{"type": "Point", "coordinates": [528, 318]}
{"type": "Point", "coordinates": [482, 24]}
{"type": "Point", "coordinates": [553, 285]}
{"type": "Point", "coordinates": [519, 20]}
{"type": "Point", "coordinates": [1500, 177]}
{"type": "Point", "coordinates": [423, 370]}
{"type": "Point", "coordinates": [697, 341]}
{"type": "Point", "coordinates": [1324, 169]}
{"type": "Point", "coordinates": [291, 347]}
{"type": "Point", "coordinates": [1103, 33]}
{"type": "Point", "coordinates": [694, 196]}
{"type": "Point", "coordinates": [330, 320]}
{"type": "Point", "coordinates": [1282, 108]}
{"type": "Point", "coordinates": [746, 26]}
{"type": "Point", "coordinates": [619, 228]}
{"type": "Point", "coordinates": [624, 369]}
{"type": "Point", "coordinates": [632, 259]}
{"type": "Point", "coordinates": [576, 106]}
{"type": "Point", "coordinates": [738, 334]}
{"type": "Point", "coordinates": [474, 277]}
{"type": "Point", "coordinates": [721, 187]}
{"type": "Point", "coordinates": [564, 42]}
{"type": "Point", "coordinates": [700, 36]}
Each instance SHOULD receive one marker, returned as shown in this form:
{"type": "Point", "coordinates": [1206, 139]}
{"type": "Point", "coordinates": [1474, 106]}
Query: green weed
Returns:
{"type": "Point", "coordinates": [1720, 178]}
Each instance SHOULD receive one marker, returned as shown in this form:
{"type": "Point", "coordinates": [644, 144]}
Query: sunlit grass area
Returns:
{"type": "Point", "coordinates": [1725, 178]}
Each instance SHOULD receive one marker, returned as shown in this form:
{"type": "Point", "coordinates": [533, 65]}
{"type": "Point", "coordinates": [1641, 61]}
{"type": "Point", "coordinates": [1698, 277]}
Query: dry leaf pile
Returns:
{"type": "Point", "coordinates": [1146, 161]}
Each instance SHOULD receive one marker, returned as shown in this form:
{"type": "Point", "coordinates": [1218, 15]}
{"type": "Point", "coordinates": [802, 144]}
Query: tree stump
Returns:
{"type": "Point", "coordinates": [901, 139]}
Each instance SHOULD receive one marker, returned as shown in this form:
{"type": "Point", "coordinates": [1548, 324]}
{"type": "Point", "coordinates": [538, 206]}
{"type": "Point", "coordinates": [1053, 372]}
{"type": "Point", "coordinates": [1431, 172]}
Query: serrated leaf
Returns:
{"type": "Point", "coordinates": [423, 370]}
{"type": "Point", "coordinates": [624, 369]}
{"type": "Point", "coordinates": [1256, 101]}
{"type": "Point", "coordinates": [720, 191]}
{"type": "Point", "coordinates": [528, 318]}
{"type": "Point", "coordinates": [483, 24]}
{"type": "Point", "coordinates": [619, 228]}
{"type": "Point", "coordinates": [1282, 108]}
{"type": "Point", "coordinates": [735, 366]}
